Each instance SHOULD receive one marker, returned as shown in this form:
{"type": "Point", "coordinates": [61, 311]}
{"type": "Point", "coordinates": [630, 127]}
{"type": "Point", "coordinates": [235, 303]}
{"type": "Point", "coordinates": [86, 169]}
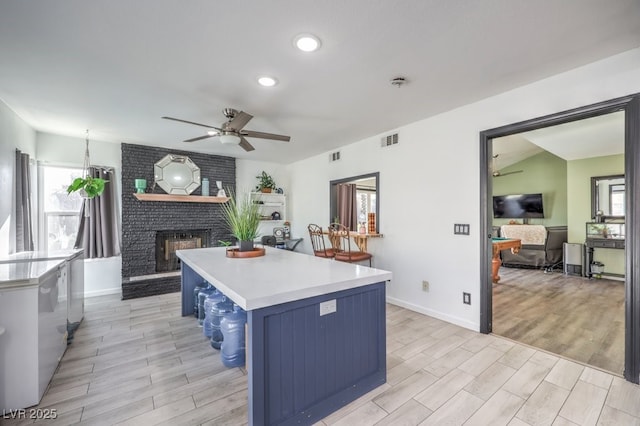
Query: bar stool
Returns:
{"type": "Point", "coordinates": [340, 237]}
{"type": "Point", "coordinates": [317, 242]}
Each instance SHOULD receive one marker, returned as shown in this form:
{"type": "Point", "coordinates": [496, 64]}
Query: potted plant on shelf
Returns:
{"type": "Point", "coordinates": [265, 182]}
{"type": "Point", "coordinates": [242, 217]}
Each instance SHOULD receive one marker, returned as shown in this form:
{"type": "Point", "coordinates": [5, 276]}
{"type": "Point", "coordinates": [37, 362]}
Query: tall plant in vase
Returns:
{"type": "Point", "coordinates": [243, 218]}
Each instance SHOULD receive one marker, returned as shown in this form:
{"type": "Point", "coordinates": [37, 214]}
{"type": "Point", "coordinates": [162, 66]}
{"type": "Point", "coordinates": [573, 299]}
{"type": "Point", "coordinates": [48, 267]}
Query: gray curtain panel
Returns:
{"type": "Point", "coordinates": [347, 205]}
{"type": "Point", "coordinates": [24, 231]}
{"type": "Point", "coordinates": [98, 233]}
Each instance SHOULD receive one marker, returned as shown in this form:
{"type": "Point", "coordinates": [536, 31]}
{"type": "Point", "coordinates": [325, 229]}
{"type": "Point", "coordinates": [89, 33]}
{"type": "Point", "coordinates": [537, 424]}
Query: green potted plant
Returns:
{"type": "Point", "coordinates": [88, 187]}
{"type": "Point", "coordinates": [243, 218]}
{"type": "Point", "coordinates": [265, 182]}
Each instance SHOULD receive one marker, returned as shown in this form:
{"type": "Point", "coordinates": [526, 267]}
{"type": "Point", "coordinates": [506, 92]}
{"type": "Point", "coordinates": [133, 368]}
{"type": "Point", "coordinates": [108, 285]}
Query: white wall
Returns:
{"type": "Point", "coordinates": [247, 170]}
{"type": "Point", "coordinates": [101, 276]}
{"type": "Point", "coordinates": [430, 180]}
{"type": "Point", "coordinates": [14, 134]}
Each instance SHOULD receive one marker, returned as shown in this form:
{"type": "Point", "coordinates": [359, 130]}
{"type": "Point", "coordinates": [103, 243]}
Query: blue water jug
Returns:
{"type": "Point", "coordinates": [218, 311]}
{"type": "Point", "coordinates": [232, 350]}
{"type": "Point", "coordinates": [209, 301]}
{"type": "Point", "coordinates": [196, 290]}
{"type": "Point", "coordinates": [202, 295]}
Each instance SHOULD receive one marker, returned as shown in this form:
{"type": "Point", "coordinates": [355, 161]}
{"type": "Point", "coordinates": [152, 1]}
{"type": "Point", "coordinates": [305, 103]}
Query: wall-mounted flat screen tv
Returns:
{"type": "Point", "coordinates": [518, 206]}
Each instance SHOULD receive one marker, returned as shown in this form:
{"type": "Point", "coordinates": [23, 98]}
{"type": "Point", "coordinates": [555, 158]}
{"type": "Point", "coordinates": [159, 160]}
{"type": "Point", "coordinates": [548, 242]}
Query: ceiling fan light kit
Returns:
{"type": "Point", "coordinates": [230, 139]}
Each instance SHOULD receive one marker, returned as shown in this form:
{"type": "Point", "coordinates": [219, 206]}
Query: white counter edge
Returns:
{"type": "Point", "coordinates": [288, 296]}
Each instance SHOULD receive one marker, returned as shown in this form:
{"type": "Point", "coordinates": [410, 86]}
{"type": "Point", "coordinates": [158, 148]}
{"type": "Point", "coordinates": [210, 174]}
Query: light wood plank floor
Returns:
{"type": "Point", "coordinates": [571, 316]}
{"type": "Point", "coordinates": [137, 362]}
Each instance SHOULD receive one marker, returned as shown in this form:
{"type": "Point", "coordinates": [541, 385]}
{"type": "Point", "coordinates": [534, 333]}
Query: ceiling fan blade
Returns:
{"type": "Point", "coordinates": [263, 135]}
{"type": "Point", "coordinates": [192, 122]}
{"type": "Point", "coordinates": [498, 174]}
{"type": "Point", "coordinates": [245, 144]}
{"type": "Point", "coordinates": [200, 138]}
{"type": "Point", "coordinates": [240, 120]}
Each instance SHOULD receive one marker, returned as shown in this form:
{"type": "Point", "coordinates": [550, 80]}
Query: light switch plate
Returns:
{"type": "Point", "coordinates": [328, 307]}
{"type": "Point", "coordinates": [461, 228]}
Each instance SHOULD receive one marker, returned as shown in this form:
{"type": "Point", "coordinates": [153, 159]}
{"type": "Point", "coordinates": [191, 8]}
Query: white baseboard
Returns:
{"type": "Point", "coordinates": [435, 314]}
{"type": "Point", "coordinates": [103, 292]}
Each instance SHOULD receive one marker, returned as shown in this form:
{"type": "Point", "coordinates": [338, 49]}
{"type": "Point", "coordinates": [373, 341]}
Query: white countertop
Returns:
{"type": "Point", "coordinates": [25, 274]}
{"type": "Point", "coordinates": [29, 256]}
{"type": "Point", "coordinates": [279, 276]}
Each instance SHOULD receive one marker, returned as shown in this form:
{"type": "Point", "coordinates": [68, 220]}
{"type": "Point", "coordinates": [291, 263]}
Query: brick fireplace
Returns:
{"type": "Point", "coordinates": [168, 242]}
{"type": "Point", "coordinates": [181, 225]}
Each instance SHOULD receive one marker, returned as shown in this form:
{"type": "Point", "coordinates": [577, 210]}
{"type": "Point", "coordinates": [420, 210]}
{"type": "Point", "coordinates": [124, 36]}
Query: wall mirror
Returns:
{"type": "Point", "coordinates": [352, 199]}
{"type": "Point", "coordinates": [177, 174]}
{"type": "Point", "coordinates": [608, 196]}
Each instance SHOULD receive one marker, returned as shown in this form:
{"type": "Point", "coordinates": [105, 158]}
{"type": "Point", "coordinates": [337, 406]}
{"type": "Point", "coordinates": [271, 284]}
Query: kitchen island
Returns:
{"type": "Point", "coordinates": [316, 328]}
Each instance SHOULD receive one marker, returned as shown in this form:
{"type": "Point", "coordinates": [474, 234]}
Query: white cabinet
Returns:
{"type": "Point", "coordinates": [33, 312]}
{"type": "Point", "coordinates": [273, 209]}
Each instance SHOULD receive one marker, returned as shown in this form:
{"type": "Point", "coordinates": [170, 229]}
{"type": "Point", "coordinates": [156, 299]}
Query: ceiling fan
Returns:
{"type": "Point", "coordinates": [497, 173]}
{"type": "Point", "coordinates": [230, 132]}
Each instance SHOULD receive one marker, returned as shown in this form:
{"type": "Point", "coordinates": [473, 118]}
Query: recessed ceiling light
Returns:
{"type": "Point", "coordinates": [267, 81]}
{"type": "Point", "coordinates": [307, 42]}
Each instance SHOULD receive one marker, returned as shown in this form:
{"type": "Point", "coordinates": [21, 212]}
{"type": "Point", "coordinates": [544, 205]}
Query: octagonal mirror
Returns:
{"type": "Point", "coordinates": [177, 174]}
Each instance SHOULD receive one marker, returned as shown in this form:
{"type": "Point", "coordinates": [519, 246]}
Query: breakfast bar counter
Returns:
{"type": "Point", "coordinates": [316, 328]}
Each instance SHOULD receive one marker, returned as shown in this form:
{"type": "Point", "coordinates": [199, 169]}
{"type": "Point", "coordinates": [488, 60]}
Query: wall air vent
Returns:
{"type": "Point", "coordinates": [389, 140]}
{"type": "Point", "coordinates": [334, 156]}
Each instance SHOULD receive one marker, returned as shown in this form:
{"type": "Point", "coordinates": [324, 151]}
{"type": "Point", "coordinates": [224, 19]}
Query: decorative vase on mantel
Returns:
{"type": "Point", "coordinates": [245, 245]}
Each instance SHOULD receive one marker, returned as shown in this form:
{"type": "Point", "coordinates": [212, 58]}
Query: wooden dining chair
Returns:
{"type": "Point", "coordinates": [317, 242]}
{"type": "Point", "coordinates": [340, 237]}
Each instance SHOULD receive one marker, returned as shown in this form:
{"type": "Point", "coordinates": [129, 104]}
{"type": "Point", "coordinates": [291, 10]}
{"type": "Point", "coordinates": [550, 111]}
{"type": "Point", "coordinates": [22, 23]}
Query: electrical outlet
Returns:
{"type": "Point", "coordinates": [466, 298]}
{"type": "Point", "coordinates": [328, 307]}
{"type": "Point", "coordinates": [425, 285]}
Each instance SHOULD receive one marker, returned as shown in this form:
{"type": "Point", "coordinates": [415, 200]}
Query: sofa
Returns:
{"type": "Point", "coordinates": [541, 246]}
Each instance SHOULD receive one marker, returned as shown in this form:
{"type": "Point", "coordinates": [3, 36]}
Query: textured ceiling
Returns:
{"type": "Point", "coordinates": [115, 67]}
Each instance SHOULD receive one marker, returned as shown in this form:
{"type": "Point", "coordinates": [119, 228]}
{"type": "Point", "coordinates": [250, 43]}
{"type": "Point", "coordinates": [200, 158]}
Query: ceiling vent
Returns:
{"type": "Point", "coordinates": [389, 140]}
{"type": "Point", "coordinates": [334, 156]}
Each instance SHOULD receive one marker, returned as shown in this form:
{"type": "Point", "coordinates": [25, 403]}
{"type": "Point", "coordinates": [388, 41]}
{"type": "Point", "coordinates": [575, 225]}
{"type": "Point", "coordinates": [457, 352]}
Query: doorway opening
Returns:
{"type": "Point", "coordinates": [629, 106]}
{"type": "Point", "coordinates": [542, 195]}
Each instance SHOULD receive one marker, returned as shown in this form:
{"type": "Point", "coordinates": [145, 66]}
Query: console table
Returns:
{"type": "Point", "coordinates": [603, 235]}
{"type": "Point", "coordinates": [594, 243]}
{"type": "Point", "coordinates": [316, 336]}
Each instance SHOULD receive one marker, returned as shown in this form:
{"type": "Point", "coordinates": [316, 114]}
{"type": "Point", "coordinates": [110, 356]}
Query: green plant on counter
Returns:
{"type": "Point", "coordinates": [89, 187]}
{"type": "Point", "coordinates": [242, 216]}
{"type": "Point", "coordinates": [265, 182]}
{"type": "Point", "coordinates": [225, 243]}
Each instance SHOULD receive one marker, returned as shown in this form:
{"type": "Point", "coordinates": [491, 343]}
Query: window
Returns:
{"type": "Point", "coordinates": [367, 197]}
{"type": "Point", "coordinates": [60, 216]}
{"type": "Point", "coordinates": [366, 203]}
{"type": "Point", "coordinates": [616, 198]}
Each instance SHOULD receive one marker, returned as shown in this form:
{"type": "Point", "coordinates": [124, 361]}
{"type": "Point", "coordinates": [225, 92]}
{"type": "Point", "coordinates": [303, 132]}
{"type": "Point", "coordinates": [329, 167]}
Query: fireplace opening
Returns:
{"type": "Point", "coordinates": [167, 242]}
